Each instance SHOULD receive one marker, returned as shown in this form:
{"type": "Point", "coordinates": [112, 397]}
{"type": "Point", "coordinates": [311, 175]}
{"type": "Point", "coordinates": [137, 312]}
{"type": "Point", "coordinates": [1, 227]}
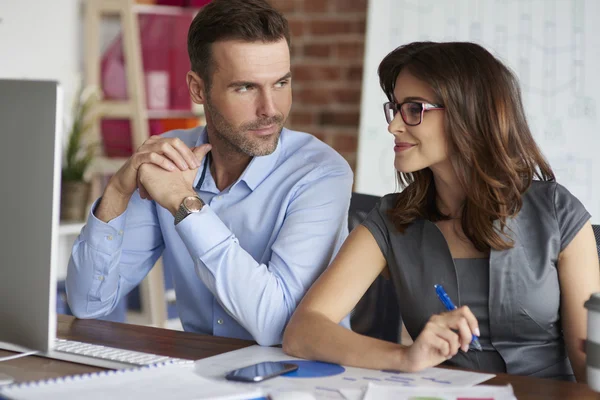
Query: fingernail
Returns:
{"type": "Point", "coordinates": [476, 332]}
{"type": "Point", "coordinates": [197, 161]}
{"type": "Point", "coordinates": [185, 166]}
{"type": "Point", "coordinates": [448, 358]}
{"type": "Point", "coordinates": [171, 167]}
{"type": "Point", "coordinates": [465, 348]}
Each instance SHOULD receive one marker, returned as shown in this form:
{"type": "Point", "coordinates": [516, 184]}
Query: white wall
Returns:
{"type": "Point", "coordinates": [39, 39]}
{"type": "Point", "coordinates": [553, 47]}
{"type": "Point", "coordinates": [42, 39]}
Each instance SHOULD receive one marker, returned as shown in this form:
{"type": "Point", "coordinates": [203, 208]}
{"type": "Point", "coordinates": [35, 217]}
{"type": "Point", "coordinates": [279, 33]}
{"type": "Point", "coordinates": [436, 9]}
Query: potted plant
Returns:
{"type": "Point", "coordinates": [79, 154]}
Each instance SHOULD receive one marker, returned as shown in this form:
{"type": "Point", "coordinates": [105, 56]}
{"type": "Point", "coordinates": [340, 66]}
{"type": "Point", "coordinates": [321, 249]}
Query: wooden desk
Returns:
{"type": "Point", "coordinates": [194, 346]}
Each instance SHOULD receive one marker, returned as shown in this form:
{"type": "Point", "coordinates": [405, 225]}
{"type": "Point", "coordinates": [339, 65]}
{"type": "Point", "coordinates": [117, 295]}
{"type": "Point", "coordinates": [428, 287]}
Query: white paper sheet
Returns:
{"type": "Point", "coordinates": [327, 379]}
{"type": "Point", "coordinates": [353, 394]}
{"type": "Point", "coordinates": [383, 392]}
{"type": "Point", "coordinates": [147, 383]}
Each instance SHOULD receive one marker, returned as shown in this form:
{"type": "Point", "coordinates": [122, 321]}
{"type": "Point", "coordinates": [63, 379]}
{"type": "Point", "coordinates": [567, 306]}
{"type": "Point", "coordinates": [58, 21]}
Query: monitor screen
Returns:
{"type": "Point", "coordinates": [30, 127]}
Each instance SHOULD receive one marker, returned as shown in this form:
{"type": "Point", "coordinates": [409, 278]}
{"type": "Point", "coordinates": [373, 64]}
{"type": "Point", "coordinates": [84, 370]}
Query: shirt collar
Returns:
{"type": "Point", "coordinates": [258, 169]}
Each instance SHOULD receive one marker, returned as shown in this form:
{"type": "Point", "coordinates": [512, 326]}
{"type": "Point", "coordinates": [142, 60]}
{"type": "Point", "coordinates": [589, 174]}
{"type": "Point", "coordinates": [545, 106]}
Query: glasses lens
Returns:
{"type": "Point", "coordinates": [390, 111]}
{"type": "Point", "coordinates": [411, 113]}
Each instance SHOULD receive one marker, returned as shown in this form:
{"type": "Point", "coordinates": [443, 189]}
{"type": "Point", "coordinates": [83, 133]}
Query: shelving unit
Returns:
{"type": "Point", "coordinates": [152, 290]}
{"type": "Point", "coordinates": [134, 109]}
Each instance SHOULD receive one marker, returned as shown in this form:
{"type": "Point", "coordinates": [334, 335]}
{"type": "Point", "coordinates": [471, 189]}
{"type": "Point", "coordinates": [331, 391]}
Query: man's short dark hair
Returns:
{"type": "Point", "coordinates": [246, 20]}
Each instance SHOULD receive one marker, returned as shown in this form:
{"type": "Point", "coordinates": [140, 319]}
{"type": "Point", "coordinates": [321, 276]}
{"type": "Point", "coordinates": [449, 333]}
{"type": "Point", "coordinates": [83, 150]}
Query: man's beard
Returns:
{"type": "Point", "coordinates": [239, 140]}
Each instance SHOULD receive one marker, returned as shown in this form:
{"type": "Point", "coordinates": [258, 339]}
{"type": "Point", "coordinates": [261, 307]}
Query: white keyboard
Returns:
{"type": "Point", "coordinates": [106, 357]}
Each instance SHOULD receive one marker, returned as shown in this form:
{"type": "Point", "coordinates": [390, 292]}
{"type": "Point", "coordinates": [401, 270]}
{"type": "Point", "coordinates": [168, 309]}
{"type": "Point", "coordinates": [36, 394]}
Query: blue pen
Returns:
{"type": "Point", "coordinates": [445, 299]}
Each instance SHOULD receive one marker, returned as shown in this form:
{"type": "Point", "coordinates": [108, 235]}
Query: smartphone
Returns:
{"type": "Point", "coordinates": [261, 371]}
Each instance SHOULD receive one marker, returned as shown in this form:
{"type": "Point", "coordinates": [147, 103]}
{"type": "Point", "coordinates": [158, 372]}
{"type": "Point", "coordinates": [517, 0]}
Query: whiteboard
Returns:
{"type": "Point", "coordinates": [551, 45]}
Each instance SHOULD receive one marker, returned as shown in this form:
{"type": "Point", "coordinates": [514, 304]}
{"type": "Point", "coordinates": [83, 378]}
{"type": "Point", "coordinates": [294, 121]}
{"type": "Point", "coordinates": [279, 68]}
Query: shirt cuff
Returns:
{"type": "Point", "coordinates": [202, 231]}
{"type": "Point", "coordinates": [102, 236]}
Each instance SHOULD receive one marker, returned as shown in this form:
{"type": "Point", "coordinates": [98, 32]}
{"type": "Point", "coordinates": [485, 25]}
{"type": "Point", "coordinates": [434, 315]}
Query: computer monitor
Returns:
{"type": "Point", "coordinates": [30, 126]}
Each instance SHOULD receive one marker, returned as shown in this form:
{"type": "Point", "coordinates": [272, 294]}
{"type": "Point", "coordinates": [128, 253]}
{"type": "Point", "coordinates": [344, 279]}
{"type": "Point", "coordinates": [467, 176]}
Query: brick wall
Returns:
{"type": "Point", "coordinates": [328, 39]}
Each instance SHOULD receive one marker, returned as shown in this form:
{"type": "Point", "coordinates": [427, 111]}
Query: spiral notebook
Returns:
{"type": "Point", "coordinates": [160, 381]}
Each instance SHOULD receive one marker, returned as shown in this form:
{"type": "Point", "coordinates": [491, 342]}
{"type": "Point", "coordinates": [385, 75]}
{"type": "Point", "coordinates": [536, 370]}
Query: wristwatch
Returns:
{"type": "Point", "coordinates": [190, 204]}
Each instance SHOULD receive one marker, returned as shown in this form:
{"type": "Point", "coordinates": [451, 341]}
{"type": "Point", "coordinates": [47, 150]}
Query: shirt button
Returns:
{"type": "Point", "coordinates": [121, 232]}
{"type": "Point", "coordinates": [109, 237]}
{"type": "Point", "coordinates": [220, 321]}
{"type": "Point", "coordinates": [101, 278]}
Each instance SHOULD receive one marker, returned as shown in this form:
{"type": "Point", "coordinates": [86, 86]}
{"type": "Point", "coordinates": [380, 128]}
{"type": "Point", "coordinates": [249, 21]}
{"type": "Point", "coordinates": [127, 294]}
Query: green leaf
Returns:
{"type": "Point", "coordinates": [79, 154]}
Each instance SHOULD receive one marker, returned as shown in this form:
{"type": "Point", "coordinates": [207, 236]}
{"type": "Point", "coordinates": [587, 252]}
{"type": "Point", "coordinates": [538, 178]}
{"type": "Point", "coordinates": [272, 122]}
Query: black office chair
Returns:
{"type": "Point", "coordinates": [596, 229]}
{"type": "Point", "coordinates": [377, 313]}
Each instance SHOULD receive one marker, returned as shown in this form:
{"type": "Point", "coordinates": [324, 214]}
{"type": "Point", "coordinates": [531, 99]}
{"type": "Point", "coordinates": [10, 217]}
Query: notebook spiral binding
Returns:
{"type": "Point", "coordinates": [80, 377]}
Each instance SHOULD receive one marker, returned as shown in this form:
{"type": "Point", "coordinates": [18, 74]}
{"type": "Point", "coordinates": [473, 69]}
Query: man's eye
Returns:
{"type": "Point", "coordinates": [244, 88]}
{"type": "Point", "coordinates": [281, 84]}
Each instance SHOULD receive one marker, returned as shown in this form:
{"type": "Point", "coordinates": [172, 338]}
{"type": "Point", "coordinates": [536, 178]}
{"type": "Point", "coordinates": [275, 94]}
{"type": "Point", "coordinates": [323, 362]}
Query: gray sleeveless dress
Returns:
{"type": "Point", "coordinates": [473, 281]}
{"type": "Point", "coordinates": [515, 294]}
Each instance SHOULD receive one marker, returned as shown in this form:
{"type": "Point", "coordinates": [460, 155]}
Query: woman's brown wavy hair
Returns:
{"type": "Point", "coordinates": [492, 150]}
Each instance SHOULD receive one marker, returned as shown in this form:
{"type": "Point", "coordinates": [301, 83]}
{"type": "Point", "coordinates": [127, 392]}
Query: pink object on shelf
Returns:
{"type": "Point", "coordinates": [116, 136]}
{"type": "Point", "coordinates": [157, 90]}
{"type": "Point", "coordinates": [165, 62]}
{"type": "Point", "coordinates": [164, 58]}
{"type": "Point", "coordinates": [179, 63]}
{"type": "Point", "coordinates": [112, 72]}
{"type": "Point", "coordinates": [155, 35]}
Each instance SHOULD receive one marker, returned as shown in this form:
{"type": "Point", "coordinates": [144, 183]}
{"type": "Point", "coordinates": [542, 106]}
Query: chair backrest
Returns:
{"type": "Point", "coordinates": [377, 313]}
{"type": "Point", "coordinates": [596, 229]}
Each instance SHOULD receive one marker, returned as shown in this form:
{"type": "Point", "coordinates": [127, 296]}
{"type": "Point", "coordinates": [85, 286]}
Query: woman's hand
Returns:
{"type": "Point", "coordinates": [441, 338]}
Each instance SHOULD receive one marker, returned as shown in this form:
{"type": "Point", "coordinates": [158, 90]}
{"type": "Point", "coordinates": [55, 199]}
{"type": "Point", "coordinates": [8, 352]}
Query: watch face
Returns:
{"type": "Point", "coordinates": [192, 203]}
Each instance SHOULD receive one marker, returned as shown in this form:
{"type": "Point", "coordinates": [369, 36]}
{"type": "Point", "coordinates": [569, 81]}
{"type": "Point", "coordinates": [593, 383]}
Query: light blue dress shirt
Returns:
{"type": "Point", "coordinates": [243, 263]}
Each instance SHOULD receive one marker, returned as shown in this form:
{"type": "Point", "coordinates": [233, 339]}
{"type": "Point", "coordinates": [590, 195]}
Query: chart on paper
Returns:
{"type": "Point", "coordinates": [325, 380]}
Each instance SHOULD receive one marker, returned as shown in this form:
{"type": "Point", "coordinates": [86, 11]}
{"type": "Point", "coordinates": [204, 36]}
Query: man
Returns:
{"type": "Point", "coordinates": [246, 229]}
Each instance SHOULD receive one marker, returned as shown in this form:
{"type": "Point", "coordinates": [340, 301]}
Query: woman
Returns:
{"type": "Point", "coordinates": [479, 214]}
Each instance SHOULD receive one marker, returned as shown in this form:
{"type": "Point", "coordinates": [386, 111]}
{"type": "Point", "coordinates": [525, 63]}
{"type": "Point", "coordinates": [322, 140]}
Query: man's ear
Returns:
{"type": "Point", "coordinates": [196, 87]}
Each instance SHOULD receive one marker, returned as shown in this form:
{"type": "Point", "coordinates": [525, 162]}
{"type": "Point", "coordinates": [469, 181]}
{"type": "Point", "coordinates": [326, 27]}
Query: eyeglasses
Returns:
{"type": "Point", "coordinates": [411, 111]}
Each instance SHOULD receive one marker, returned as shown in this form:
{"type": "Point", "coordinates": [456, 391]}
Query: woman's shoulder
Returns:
{"type": "Point", "coordinates": [542, 194]}
{"type": "Point", "coordinates": [550, 193]}
{"type": "Point", "coordinates": [553, 201]}
{"type": "Point", "coordinates": [543, 189]}
{"type": "Point", "coordinates": [567, 210]}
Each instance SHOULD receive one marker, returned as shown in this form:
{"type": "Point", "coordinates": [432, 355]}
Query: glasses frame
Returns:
{"type": "Point", "coordinates": [390, 105]}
